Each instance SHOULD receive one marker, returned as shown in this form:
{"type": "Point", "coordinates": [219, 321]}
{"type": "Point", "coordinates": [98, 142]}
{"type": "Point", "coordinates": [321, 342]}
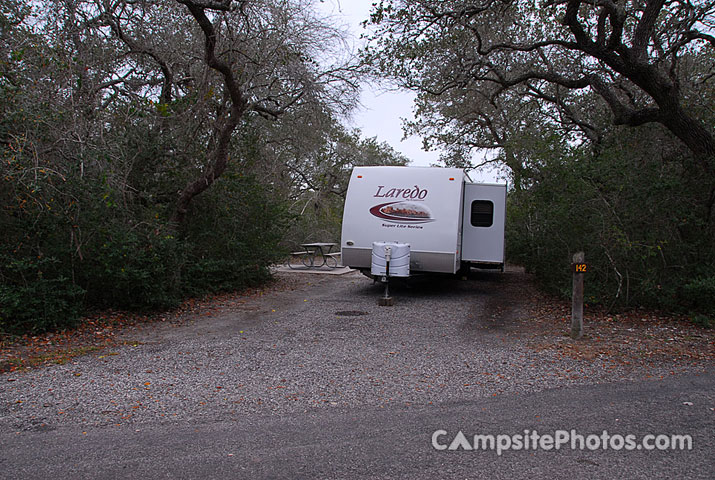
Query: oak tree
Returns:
{"type": "Point", "coordinates": [645, 61]}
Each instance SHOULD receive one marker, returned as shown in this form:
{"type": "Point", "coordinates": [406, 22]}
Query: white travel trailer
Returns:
{"type": "Point", "coordinates": [447, 221]}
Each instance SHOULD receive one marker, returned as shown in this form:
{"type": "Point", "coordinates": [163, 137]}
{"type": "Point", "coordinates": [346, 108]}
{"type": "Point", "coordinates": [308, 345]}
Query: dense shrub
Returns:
{"type": "Point", "coordinates": [132, 270]}
{"type": "Point", "coordinates": [641, 213]}
{"type": "Point", "coordinates": [232, 235]}
{"type": "Point", "coordinates": [699, 293]}
{"type": "Point", "coordinates": [127, 257]}
{"type": "Point", "coordinates": [35, 297]}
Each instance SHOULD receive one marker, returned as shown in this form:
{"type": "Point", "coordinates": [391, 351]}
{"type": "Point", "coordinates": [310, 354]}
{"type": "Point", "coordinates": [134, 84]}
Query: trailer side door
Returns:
{"type": "Point", "coordinates": [483, 222]}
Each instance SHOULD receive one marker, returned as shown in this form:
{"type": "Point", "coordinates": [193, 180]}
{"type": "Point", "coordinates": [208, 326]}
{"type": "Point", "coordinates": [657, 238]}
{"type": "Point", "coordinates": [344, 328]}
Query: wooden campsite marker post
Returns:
{"type": "Point", "coordinates": [579, 269]}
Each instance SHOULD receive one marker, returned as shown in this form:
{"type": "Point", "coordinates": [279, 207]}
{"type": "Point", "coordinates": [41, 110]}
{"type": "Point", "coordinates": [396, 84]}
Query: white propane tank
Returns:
{"type": "Point", "coordinates": [398, 255]}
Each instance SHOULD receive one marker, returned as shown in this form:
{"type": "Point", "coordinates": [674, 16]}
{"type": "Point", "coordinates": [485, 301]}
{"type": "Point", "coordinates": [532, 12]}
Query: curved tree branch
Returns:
{"type": "Point", "coordinates": [220, 154]}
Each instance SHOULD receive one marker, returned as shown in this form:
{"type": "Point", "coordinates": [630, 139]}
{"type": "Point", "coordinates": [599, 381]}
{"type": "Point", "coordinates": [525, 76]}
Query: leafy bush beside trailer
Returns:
{"type": "Point", "coordinates": [448, 221]}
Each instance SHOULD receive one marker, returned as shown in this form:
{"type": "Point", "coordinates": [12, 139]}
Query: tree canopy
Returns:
{"type": "Point", "coordinates": [640, 61]}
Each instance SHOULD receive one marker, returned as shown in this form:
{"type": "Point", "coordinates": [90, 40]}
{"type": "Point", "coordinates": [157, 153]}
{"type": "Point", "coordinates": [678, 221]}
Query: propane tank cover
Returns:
{"type": "Point", "coordinates": [398, 254]}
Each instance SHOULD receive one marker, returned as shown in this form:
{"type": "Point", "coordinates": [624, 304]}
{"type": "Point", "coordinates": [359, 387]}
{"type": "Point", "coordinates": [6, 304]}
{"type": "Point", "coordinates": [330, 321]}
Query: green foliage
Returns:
{"type": "Point", "coordinates": [699, 293]}
{"type": "Point", "coordinates": [642, 214]}
{"type": "Point", "coordinates": [527, 83]}
{"type": "Point", "coordinates": [35, 297]}
{"type": "Point", "coordinates": [132, 269]}
{"type": "Point", "coordinates": [139, 262]}
{"type": "Point", "coordinates": [232, 236]}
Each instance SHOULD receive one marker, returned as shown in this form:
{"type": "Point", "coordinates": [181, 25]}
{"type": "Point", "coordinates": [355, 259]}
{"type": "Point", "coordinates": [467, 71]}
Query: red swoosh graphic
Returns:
{"type": "Point", "coordinates": [376, 211]}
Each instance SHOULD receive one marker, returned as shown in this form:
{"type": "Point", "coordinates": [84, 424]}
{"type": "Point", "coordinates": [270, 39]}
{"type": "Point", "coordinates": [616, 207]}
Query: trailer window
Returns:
{"type": "Point", "coordinates": [482, 213]}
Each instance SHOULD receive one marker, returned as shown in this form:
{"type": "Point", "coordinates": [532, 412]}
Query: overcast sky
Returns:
{"type": "Point", "coordinates": [382, 112]}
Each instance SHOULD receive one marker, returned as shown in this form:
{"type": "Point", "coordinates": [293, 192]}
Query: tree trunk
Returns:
{"type": "Point", "coordinates": [220, 154]}
{"type": "Point", "coordinates": [219, 162]}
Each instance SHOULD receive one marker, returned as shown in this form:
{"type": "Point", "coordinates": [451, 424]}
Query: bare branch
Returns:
{"type": "Point", "coordinates": [197, 11]}
{"type": "Point", "coordinates": [136, 47]}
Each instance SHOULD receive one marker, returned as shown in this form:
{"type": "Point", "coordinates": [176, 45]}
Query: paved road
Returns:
{"type": "Point", "coordinates": [393, 442]}
{"type": "Point", "coordinates": [286, 387]}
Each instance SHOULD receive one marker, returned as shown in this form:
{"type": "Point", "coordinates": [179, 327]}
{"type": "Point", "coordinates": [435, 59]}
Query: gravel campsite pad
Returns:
{"type": "Point", "coordinates": [323, 342]}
